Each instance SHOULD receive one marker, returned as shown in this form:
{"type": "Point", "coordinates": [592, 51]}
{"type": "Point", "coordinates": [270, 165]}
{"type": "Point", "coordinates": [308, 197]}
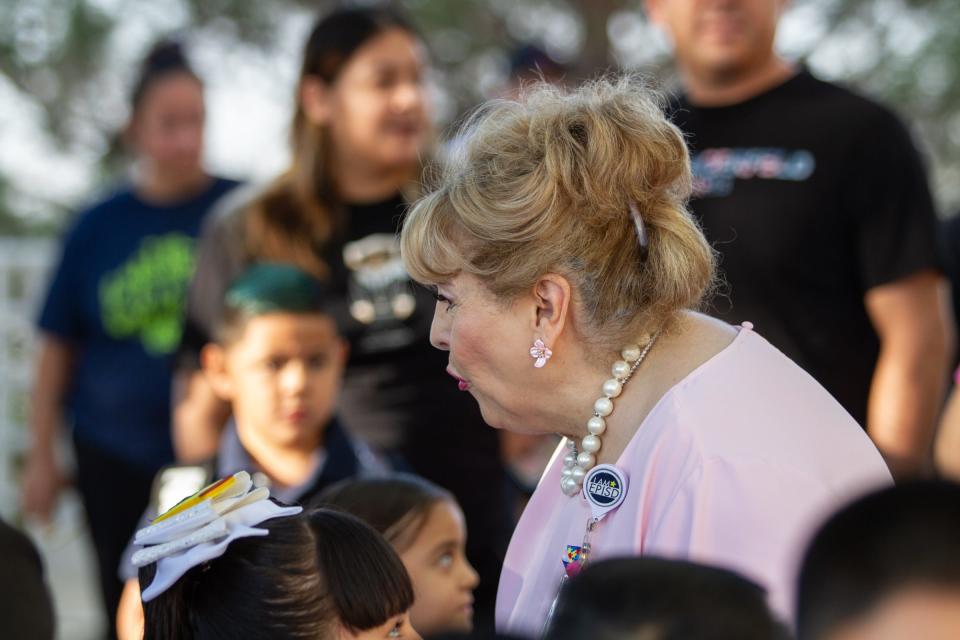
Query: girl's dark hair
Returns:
{"type": "Point", "coordinates": [396, 505]}
{"type": "Point", "coordinates": [261, 587]}
{"type": "Point", "coordinates": [371, 582]}
{"type": "Point", "coordinates": [165, 58]}
{"type": "Point", "coordinates": [310, 573]}
{"type": "Point", "coordinates": [296, 216]}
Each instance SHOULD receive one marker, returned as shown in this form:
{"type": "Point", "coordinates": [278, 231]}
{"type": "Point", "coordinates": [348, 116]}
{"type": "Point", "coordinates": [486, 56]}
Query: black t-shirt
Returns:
{"type": "Point", "coordinates": [812, 195]}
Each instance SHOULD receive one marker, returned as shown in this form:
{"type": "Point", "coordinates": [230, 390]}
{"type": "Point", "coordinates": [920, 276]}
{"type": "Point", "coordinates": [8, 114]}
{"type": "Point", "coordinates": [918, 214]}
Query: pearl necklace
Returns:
{"type": "Point", "coordinates": [576, 464]}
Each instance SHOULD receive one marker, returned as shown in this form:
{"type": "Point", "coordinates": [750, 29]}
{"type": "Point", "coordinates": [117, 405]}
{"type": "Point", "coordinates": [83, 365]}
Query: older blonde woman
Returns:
{"type": "Point", "coordinates": [567, 270]}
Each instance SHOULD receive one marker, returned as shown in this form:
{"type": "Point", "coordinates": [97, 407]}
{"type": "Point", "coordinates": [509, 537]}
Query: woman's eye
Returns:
{"type": "Point", "coordinates": [395, 632]}
{"type": "Point", "coordinates": [446, 560]}
{"type": "Point", "coordinates": [439, 297]}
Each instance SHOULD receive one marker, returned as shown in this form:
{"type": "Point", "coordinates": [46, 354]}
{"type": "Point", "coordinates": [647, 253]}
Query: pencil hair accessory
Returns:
{"type": "Point", "coordinates": [201, 527]}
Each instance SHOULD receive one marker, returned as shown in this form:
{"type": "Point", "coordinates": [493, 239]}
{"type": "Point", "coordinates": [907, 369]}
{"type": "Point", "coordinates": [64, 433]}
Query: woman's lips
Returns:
{"type": "Point", "coordinates": [462, 384]}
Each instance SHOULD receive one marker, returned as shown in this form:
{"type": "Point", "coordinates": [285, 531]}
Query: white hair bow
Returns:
{"type": "Point", "coordinates": [201, 527]}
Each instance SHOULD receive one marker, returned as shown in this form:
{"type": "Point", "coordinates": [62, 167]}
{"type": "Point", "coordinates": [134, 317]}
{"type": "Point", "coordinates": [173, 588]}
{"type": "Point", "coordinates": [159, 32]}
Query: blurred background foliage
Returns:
{"type": "Point", "coordinates": [67, 64]}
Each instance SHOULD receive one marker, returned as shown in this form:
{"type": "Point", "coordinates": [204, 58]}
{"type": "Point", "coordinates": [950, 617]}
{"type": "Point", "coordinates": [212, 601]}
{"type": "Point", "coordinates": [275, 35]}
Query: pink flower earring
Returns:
{"type": "Point", "coordinates": [540, 352]}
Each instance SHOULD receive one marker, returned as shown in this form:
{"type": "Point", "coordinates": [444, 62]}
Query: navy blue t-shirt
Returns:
{"type": "Point", "coordinates": [117, 296]}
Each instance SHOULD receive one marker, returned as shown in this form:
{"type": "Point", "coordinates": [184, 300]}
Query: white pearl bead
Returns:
{"type": "Point", "coordinates": [591, 444]}
{"type": "Point", "coordinates": [631, 353]}
{"type": "Point", "coordinates": [566, 473]}
{"type": "Point", "coordinates": [603, 406]}
{"type": "Point", "coordinates": [612, 388]}
{"type": "Point", "coordinates": [620, 369]}
{"type": "Point", "coordinates": [578, 474]}
{"type": "Point", "coordinates": [586, 460]}
{"type": "Point", "coordinates": [571, 444]}
{"type": "Point", "coordinates": [569, 486]}
{"type": "Point", "coordinates": [570, 459]}
{"type": "Point", "coordinates": [596, 425]}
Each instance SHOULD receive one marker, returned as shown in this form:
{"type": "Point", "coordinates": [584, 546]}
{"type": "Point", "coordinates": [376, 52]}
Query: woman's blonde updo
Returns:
{"type": "Point", "coordinates": [543, 185]}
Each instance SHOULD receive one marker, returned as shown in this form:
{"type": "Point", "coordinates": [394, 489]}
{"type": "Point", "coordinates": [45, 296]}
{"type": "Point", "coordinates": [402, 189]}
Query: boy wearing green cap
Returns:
{"type": "Point", "coordinates": [278, 358]}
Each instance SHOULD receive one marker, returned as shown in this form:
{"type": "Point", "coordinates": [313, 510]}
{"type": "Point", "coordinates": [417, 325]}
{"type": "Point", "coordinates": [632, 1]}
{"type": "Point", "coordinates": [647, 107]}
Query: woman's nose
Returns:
{"type": "Point", "coordinates": [440, 330]}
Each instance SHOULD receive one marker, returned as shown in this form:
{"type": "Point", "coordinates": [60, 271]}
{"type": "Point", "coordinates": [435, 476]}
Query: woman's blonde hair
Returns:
{"type": "Point", "coordinates": [544, 185]}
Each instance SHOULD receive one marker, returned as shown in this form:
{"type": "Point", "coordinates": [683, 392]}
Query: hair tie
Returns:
{"type": "Point", "coordinates": [201, 527]}
{"type": "Point", "coordinates": [641, 229]}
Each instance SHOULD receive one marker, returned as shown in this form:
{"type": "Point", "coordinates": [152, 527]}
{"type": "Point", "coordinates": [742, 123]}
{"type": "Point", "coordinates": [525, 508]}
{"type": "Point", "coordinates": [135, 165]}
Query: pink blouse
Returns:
{"type": "Point", "coordinates": [734, 466]}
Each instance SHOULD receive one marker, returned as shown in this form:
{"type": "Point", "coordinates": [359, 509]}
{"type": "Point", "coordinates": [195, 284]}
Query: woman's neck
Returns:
{"type": "Point", "coordinates": [358, 184]}
{"type": "Point", "coordinates": [163, 188]}
{"type": "Point", "coordinates": [582, 390]}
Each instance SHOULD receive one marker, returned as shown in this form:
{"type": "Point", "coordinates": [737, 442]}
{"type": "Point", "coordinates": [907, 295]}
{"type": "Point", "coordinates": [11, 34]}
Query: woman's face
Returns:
{"type": "Point", "coordinates": [489, 346]}
{"type": "Point", "coordinates": [377, 112]}
{"type": "Point", "coordinates": [167, 127]}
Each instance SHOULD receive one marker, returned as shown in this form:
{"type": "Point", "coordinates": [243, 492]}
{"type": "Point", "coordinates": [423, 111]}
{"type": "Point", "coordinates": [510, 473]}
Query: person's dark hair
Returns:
{"type": "Point", "coordinates": [25, 605]}
{"type": "Point", "coordinates": [659, 599]}
{"type": "Point", "coordinates": [901, 537]}
{"type": "Point", "coordinates": [396, 505]}
{"type": "Point", "coordinates": [297, 215]}
{"type": "Point", "coordinates": [365, 577]}
{"type": "Point", "coordinates": [165, 58]}
{"type": "Point", "coordinates": [271, 287]}
{"type": "Point", "coordinates": [261, 587]}
{"type": "Point", "coordinates": [312, 572]}
{"type": "Point", "coordinates": [529, 61]}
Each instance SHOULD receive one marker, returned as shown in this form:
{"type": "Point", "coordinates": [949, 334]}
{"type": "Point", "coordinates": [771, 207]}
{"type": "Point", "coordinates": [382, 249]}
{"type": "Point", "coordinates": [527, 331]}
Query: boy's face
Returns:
{"type": "Point", "coordinates": [282, 377]}
{"type": "Point", "coordinates": [930, 613]}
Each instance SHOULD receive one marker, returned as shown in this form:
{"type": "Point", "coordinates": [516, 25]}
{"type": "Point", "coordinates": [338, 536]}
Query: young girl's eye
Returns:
{"type": "Point", "coordinates": [446, 560]}
{"type": "Point", "coordinates": [397, 628]}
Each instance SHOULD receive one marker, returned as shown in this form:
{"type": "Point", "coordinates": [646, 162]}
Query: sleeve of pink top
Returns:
{"type": "Point", "coordinates": [744, 516]}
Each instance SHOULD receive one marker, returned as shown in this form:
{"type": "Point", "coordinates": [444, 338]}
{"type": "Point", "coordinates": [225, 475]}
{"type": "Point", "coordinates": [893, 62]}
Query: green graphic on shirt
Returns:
{"type": "Point", "coordinates": [145, 297]}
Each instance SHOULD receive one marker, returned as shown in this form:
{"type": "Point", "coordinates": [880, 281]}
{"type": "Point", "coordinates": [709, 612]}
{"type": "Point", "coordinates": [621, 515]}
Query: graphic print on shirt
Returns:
{"type": "Point", "coordinates": [379, 291]}
{"type": "Point", "coordinates": [715, 170]}
{"type": "Point", "coordinates": [144, 297]}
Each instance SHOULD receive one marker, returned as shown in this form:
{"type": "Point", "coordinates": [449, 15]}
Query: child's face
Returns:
{"type": "Point", "coordinates": [443, 580]}
{"type": "Point", "coordinates": [929, 613]}
{"type": "Point", "coordinates": [282, 377]}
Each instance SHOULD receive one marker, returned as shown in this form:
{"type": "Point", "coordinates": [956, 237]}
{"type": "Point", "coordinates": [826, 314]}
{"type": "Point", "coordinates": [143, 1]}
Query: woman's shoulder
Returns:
{"type": "Point", "coordinates": [751, 400]}
{"type": "Point", "coordinates": [108, 205]}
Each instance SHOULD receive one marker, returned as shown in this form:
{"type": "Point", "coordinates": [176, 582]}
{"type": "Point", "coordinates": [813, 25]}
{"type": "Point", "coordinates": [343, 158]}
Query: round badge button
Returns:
{"type": "Point", "coordinates": [605, 487]}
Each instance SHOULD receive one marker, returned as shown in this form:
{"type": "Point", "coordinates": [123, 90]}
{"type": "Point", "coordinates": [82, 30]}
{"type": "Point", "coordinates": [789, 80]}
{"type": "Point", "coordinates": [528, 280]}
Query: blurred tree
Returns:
{"type": "Point", "coordinates": [62, 57]}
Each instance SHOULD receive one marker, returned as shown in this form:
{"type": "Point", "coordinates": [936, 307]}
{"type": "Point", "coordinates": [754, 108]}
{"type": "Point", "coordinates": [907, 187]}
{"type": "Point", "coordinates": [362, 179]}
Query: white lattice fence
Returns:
{"type": "Point", "coordinates": [24, 269]}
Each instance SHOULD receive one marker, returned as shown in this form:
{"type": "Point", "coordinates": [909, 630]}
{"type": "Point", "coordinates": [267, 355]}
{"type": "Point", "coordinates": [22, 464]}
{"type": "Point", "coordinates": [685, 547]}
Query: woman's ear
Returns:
{"type": "Point", "coordinates": [213, 360]}
{"type": "Point", "coordinates": [553, 296]}
{"type": "Point", "coordinates": [315, 100]}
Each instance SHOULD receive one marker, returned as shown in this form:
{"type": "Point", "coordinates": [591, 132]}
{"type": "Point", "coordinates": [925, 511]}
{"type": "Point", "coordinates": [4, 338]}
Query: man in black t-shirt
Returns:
{"type": "Point", "coordinates": [818, 204]}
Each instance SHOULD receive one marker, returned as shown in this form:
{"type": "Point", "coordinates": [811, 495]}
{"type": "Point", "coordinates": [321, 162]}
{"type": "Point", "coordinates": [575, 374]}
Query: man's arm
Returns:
{"type": "Point", "coordinates": [916, 343]}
